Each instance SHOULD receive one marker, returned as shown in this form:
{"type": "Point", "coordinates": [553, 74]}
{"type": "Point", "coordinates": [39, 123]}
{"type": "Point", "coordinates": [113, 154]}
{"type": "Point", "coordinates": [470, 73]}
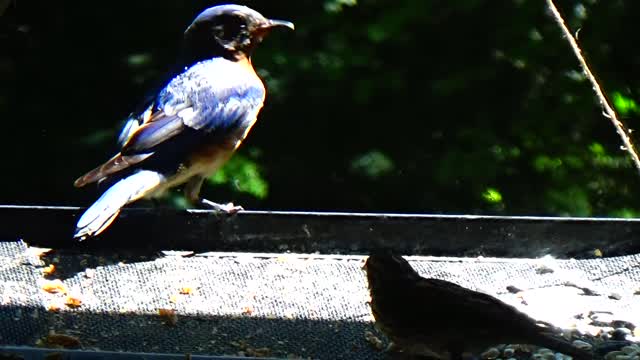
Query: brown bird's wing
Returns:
{"type": "Point", "coordinates": [472, 307]}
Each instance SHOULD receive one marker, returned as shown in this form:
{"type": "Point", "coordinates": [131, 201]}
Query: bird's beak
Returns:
{"type": "Point", "coordinates": [275, 23]}
{"type": "Point", "coordinates": [265, 28]}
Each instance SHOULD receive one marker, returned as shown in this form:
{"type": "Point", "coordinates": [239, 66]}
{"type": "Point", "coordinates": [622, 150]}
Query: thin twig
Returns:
{"type": "Point", "coordinates": [608, 111]}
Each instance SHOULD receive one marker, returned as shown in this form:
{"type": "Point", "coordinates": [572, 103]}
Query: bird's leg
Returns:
{"type": "Point", "coordinates": [192, 192]}
{"type": "Point", "coordinates": [192, 189]}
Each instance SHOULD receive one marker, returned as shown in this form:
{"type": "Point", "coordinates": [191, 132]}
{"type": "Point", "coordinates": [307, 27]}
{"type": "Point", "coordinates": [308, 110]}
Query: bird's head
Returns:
{"type": "Point", "coordinates": [230, 31]}
{"type": "Point", "coordinates": [387, 269]}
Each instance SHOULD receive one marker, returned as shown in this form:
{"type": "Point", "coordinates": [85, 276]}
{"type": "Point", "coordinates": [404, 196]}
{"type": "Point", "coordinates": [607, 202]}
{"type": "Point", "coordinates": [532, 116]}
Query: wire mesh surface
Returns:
{"type": "Point", "coordinates": [277, 305]}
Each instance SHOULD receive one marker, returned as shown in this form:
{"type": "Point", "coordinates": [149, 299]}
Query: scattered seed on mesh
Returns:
{"type": "Point", "coordinates": [186, 290]}
{"type": "Point", "coordinates": [48, 270]}
{"type": "Point", "coordinates": [73, 301]}
{"type": "Point", "coordinates": [169, 316]}
{"type": "Point", "coordinates": [54, 287]}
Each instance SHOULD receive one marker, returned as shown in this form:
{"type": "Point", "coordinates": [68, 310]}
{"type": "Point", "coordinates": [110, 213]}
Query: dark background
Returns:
{"type": "Point", "coordinates": [379, 106]}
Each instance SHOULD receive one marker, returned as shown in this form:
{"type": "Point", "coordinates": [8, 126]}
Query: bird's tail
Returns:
{"type": "Point", "coordinates": [564, 347]}
{"type": "Point", "coordinates": [100, 215]}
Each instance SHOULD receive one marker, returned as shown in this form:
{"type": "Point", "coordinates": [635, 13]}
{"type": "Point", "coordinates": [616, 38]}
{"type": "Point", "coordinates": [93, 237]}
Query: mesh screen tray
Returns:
{"type": "Point", "coordinates": [190, 284]}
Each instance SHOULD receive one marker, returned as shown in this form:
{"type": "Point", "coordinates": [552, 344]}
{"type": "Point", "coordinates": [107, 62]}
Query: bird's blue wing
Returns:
{"type": "Point", "coordinates": [219, 113]}
{"type": "Point", "coordinates": [211, 99]}
{"type": "Point", "coordinates": [143, 111]}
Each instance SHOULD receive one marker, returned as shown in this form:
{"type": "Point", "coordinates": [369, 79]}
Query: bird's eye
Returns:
{"type": "Point", "coordinates": [228, 28]}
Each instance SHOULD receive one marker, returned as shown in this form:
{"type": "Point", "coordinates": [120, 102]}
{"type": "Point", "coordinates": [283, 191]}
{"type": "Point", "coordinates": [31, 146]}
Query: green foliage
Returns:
{"type": "Point", "coordinates": [372, 164]}
{"type": "Point", "coordinates": [570, 201]}
{"type": "Point", "coordinates": [545, 163]}
{"type": "Point", "coordinates": [602, 159]}
{"type": "Point", "coordinates": [624, 105]}
{"type": "Point", "coordinates": [492, 196]}
{"type": "Point", "coordinates": [333, 6]}
{"type": "Point", "coordinates": [626, 213]}
{"type": "Point", "coordinates": [243, 175]}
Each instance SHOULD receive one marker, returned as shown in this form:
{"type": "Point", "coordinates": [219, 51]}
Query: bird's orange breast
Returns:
{"type": "Point", "coordinates": [210, 154]}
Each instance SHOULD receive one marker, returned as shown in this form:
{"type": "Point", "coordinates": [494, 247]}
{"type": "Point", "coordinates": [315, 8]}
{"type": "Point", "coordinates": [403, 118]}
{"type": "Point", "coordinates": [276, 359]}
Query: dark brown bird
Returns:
{"type": "Point", "coordinates": [441, 319]}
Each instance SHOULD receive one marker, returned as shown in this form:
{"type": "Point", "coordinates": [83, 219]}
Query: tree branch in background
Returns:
{"type": "Point", "coordinates": [608, 110]}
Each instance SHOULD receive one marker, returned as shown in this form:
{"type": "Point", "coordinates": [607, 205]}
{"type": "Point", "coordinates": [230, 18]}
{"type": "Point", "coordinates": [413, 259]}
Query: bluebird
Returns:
{"type": "Point", "coordinates": [192, 124]}
{"type": "Point", "coordinates": [442, 320]}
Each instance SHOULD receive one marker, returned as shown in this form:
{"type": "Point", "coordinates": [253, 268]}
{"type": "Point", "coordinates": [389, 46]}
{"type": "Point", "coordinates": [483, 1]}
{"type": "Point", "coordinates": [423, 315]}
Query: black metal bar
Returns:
{"type": "Point", "coordinates": [277, 231]}
{"type": "Point", "coordinates": [30, 353]}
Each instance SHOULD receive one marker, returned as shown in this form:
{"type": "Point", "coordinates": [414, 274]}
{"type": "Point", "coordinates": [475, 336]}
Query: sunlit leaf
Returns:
{"type": "Point", "coordinates": [492, 196]}
{"type": "Point", "coordinates": [243, 174]}
{"type": "Point", "coordinates": [624, 105]}
{"type": "Point", "coordinates": [597, 149]}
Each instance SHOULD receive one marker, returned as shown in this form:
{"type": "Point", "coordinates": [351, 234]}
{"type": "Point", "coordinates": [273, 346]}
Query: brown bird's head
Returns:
{"type": "Point", "coordinates": [230, 31]}
{"type": "Point", "coordinates": [393, 289]}
{"type": "Point", "coordinates": [387, 269]}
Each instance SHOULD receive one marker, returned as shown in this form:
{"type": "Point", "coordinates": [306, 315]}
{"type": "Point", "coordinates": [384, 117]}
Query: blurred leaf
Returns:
{"type": "Point", "coordinates": [334, 6]}
{"type": "Point", "coordinates": [140, 59]}
{"type": "Point", "coordinates": [492, 196]}
{"type": "Point", "coordinates": [544, 163]}
{"type": "Point", "coordinates": [179, 201]}
{"type": "Point", "coordinates": [377, 33]}
{"type": "Point", "coordinates": [626, 213]}
{"type": "Point", "coordinates": [502, 153]}
{"type": "Point", "coordinates": [624, 105]}
{"type": "Point", "coordinates": [98, 137]}
{"type": "Point", "coordinates": [603, 160]}
{"type": "Point", "coordinates": [243, 174]}
{"type": "Point", "coordinates": [572, 201]}
{"type": "Point", "coordinates": [597, 149]}
{"type": "Point", "coordinates": [372, 164]}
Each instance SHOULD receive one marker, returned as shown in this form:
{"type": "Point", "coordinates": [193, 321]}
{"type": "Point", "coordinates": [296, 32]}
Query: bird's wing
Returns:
{"type": "Point", "coordinates": [133, 123]}
{"type": "Point", "coordinates": [143, 112]}
{"type": "Point", "coordinates": [188, 104]}
{"type": "Point", "coordinates": [458, 303]}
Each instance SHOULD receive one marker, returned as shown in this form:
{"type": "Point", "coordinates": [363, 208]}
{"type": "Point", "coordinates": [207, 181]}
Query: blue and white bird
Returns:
{"type": "Point", "coordinates": [192, 125]}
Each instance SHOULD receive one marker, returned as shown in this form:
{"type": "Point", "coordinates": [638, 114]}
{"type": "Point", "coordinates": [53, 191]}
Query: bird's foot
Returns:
{"type": "Point", "coordinates": [228, 208]}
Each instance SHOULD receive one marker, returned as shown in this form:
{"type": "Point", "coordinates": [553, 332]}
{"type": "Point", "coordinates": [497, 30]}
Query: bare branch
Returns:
{"type": "Point", "coordinates": [608, 110]}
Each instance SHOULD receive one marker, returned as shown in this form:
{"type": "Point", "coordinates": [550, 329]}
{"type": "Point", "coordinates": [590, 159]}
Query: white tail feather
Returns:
{"type": "Point", "coordinates": [100, 215]}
